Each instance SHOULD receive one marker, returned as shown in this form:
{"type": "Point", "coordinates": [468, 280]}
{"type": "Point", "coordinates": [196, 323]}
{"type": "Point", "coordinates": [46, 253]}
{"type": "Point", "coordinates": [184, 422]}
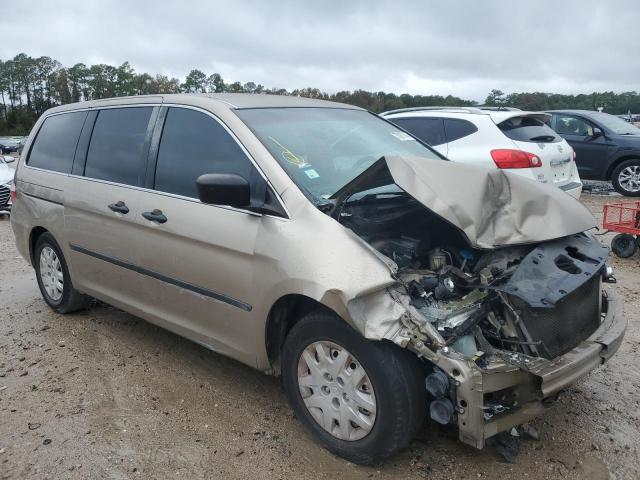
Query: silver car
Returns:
{"type": "Point", "coordinates": [319, 242]}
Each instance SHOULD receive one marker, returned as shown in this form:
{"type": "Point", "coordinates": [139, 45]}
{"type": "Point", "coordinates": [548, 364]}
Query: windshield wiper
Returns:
{"type": "Point", "coordinates": [543, 138]}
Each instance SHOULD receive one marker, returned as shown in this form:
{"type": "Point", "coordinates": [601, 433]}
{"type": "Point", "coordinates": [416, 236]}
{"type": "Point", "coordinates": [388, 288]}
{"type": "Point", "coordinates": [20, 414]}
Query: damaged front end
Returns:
{"type": "Point", "coordinates": [503, 329]}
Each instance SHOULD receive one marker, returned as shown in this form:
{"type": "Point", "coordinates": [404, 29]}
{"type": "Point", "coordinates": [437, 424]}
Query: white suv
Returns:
{"type": "Point", "coordinates": [505, 137]}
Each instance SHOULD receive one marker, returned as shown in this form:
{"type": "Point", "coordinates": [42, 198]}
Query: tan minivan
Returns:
{"type": "Point", "coordinates": [319, 242]}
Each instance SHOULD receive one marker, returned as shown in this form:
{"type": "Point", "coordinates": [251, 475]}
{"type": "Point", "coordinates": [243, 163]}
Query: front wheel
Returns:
{"type": "Point", "coordinates": [626, 178]}
{"type": "Point", "coordinates": [362, 400]}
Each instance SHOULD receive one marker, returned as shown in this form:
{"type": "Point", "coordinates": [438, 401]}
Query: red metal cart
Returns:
{"type": "Point", "coordinates": [623, 218]}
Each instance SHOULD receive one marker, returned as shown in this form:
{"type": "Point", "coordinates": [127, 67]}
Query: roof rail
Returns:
{"type": "Point", "coordinates": [450, 109]}
{"type": "Point", "coordinates": [499, 109]}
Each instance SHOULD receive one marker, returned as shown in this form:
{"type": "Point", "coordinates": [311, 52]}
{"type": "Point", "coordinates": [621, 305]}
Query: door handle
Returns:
{"type": "Point", "coordinates": [119, 207]}
{"type": "Point", "coordinates": [155, 216]}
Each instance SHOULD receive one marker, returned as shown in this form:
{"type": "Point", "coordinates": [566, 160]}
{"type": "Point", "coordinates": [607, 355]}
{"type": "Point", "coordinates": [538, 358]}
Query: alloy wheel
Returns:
{"type": "Point", "coordinates": [629, 178]}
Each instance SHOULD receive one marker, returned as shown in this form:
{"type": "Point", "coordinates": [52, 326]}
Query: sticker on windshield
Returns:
{"type": "Point", "coordinates": [289, 156]}
{"type": "Point", "coordinates": [403, 137]}
{"type": "Point", "coordinates": [311, 173]}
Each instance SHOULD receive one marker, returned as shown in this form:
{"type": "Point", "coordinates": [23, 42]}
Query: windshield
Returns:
{"type": "Point", "coordinates": [615, 124]}
{"type": "Point", "coordinates": [323, 149]}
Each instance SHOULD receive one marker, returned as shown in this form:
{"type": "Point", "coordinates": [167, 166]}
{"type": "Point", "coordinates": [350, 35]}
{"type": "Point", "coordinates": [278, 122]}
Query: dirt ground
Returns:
{"type": "Point", "coordinates": [102, 394]}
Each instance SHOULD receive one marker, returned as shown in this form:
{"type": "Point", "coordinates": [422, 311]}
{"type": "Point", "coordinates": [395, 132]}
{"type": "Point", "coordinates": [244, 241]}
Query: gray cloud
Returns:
{"type": "Point", "coordinates": [462, 48]}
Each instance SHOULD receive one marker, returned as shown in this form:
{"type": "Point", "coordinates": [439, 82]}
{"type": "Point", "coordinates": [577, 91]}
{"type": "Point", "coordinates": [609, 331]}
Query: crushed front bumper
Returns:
{"type": "Point", "coordinates": [537, 381]}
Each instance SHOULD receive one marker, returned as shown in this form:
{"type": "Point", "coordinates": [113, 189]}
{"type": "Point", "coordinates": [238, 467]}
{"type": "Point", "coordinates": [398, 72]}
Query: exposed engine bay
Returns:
{"type": "Point", "coordinates": [539, 300]}
{"type": "Point", "coordinates": [496, 286]}
{"type": "Point", "coordinates": [493, 324]}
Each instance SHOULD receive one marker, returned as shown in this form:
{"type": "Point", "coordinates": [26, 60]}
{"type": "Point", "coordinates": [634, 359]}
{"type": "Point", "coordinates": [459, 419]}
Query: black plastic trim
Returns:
{"type": "Point", "coordinates": [158, 276]}
{"type": "Point", "coordinates": [154, 146]}
{"type": "Point", "coordinates": [570, 186]}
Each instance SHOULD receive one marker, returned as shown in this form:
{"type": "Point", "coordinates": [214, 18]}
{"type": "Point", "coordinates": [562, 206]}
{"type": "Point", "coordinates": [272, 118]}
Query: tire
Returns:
{"type": "Point", "coordinates": [394, 380]}
{"type": "Point", "coordinates": [620, 178]}
{"type": "Point", "coordinates": [624, 245]}
{"type": "Point", "coordinates": [50, 267]}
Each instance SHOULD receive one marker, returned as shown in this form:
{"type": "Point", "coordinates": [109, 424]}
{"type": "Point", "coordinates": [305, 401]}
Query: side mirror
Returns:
{"type": "Point", "coordinates": [8, 159]}
{"type": "Point", "coordinates": [224, 189]}
{"type": "Point", "coordinates": [597, 132]}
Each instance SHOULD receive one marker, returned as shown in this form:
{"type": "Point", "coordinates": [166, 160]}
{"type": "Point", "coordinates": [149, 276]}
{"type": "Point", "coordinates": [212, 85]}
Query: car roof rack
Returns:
{"type": "Point", "coordinates": [449, 109]}
{"type": "Point", "coordinates": [481, 110]}
{"type": "Point", "coordinates": [499, 109]}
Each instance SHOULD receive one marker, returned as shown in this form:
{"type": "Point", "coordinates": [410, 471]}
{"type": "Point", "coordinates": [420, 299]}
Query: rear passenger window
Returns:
{"type": "Point", "coordinates": [55, 144]}
{"type": "Point", "coordinates": [117, 143]}
{"type": "Point", "coordinates": [428, 129]}
{"type": "Point", "coordinates": [193, 144]}
{"type": "Point", "coordinates": [456, 128]}
{"type": "Point", "coordinates": [528, 129]}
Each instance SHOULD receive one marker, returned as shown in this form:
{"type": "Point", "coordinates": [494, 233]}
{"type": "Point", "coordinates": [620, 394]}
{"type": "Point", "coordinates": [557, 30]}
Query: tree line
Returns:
{"type": "Point", "coordinates": [31, 85]}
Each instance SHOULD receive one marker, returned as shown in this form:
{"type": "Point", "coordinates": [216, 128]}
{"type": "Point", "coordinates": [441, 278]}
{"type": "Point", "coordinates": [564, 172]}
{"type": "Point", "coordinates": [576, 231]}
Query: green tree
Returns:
{"type": "Point", "coordinates": [495, 98]}
{"type": "Point", "coordinates": [79, 82]}
{"type": "Point", "coordinates": [29, 86]}
{"type": "Point", "coordinates": [215, 83]}
{"type": "Point", "coordinates": [235, 87]}
{"type": "Point", "coordinates": [196, 82]}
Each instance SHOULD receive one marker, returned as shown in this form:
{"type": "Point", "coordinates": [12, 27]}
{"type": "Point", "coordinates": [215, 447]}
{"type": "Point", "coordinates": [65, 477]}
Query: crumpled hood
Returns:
{"type": "Point", "coordinates": [492, 207]}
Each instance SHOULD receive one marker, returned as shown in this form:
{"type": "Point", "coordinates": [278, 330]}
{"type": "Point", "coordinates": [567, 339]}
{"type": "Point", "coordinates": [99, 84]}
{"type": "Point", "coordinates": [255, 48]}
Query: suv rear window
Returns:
{"type": "Point", "coordinates": [429, 130]}
{"type": "Point", "coordinates": [55, 144]}
{"type": "Point", "coordinates": [528, 129]}
{"type": "Point", "coordinates": [117, 142]}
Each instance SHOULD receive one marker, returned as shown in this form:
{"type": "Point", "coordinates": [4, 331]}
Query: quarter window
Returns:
{"type": "Point", "coordinates": [116, 151]}
{"type": "Point", "coordinates": [55, 144]}
{"type": "Point", "coordinates": [193, 144]}
{"type": "Point", "coordinates": [428, 129]}
{"type": "Point", "coordinates": [456, 129]}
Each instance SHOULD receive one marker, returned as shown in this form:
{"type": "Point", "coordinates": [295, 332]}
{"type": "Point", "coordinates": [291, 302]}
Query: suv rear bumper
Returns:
{"type": "Point", "coordinates": [538, 382]}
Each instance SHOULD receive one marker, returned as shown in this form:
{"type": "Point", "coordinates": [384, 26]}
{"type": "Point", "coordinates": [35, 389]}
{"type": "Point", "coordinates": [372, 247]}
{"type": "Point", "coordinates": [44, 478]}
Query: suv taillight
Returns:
{"type": "Point", "coordinates": [12, 191]}
{"type": "Point", "coordinates": [507, 158]}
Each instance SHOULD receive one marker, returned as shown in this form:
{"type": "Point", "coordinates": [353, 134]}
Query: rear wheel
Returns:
{"type": "Point", "coordinates": [53, 277]}
{"type": "Point", "coordinates": [626, 178]}
{"type": "Point", "coordinates": [362, 400]}
{"type": "Point", "coordinates": [624, 245]}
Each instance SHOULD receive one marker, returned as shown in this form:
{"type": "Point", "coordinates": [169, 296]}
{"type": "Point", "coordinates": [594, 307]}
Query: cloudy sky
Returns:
{"type": "Point", "coordinates": [456, 47]}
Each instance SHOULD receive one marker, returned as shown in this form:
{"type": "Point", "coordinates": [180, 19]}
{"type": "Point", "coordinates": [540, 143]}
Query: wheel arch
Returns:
{"type": "Point", "coordinates": [35, 233]}
{"type": "Point", "coordinates": [618, 161]}
{"type": "Point", "coordinates": [283, 315]}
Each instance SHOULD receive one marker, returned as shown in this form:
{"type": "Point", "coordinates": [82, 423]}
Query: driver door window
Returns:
{"type": "Point", "coordinates": [193, 144]}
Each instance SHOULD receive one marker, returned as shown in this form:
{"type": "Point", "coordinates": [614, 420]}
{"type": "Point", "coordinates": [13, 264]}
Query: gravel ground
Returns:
{"type": "Point", "coordinates": [102, 394]}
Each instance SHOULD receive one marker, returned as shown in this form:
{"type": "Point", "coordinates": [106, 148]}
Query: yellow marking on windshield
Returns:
{"type": "Point", "coordinates": [288, 155]}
